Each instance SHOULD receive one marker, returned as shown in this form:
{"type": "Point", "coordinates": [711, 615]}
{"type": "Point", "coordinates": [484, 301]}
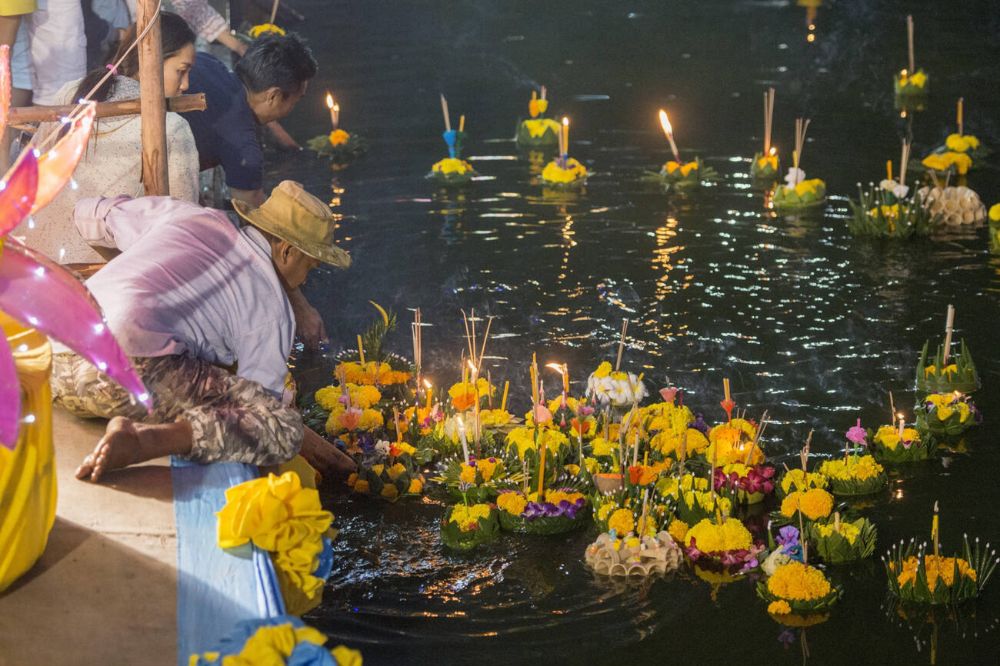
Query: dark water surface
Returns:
{"type": "Point", "coordinates": [810, 324]}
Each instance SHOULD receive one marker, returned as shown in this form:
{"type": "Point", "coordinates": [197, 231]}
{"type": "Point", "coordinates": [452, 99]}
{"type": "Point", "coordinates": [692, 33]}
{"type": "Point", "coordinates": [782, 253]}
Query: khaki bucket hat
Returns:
{"type": "Point", "coordinates": [294, 215]}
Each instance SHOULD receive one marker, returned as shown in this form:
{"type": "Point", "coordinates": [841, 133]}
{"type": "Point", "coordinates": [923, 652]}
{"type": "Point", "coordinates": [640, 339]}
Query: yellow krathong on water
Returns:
{"type": "Point", "coordinates": [685, 169]}
{"type": "Point", "coordinates": [571, 173]}
{"type": "Point", "coordinates": [939, 570]}
{"type": "Point", "coordinates": [918, 79]}
{"type": "Point", "coordinates": [278, 515]}
{"type": "Point", "coordinates": [798, 582]}
{"type": "Point", "coordinates": [537, 127]}
{"type": "Point", "coordinates": [451, 165]}
{"type": "Point", "coordinates": [961, 143]}
{"type": "Point", "coordinates": [467, 517]}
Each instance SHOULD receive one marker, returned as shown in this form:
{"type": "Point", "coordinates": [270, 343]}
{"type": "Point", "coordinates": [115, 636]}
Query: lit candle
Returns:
{"type": "Point", "coordinates": [669, 131]}
{"type": "Point", "coordinates": [888, 169]}
{"type": "Point", "coordinates": [565, 128]}
{"type": "Point", "coordinates": [429, 391]}
{"type": "Point", "coordinates": [334, 110]}
{"type": "Point", "coordinates": [503, 402]}
{"type": "Point", "coordinates": [361, 351]}
{"type": "Point", "coordinates": [543, 92]}
{"type": "Point", "coordinates": [900, 417]}
{"type": "Point", "coordinates": [461, 123]}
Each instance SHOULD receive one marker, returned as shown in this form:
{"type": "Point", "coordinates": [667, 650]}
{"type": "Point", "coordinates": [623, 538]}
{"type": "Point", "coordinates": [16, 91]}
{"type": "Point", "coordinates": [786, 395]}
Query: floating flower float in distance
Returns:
{"type": "Point", "coordinates": [910, 85]}
{"type": "Point", "coordinates": [677, 173]}
{"type": "Point", "coordinates": [538, 132]}
{"type": "Point", "coordinates": [886, 210]}
{"type": "Point", "coordinates": [452, 170]}
{"type": "Point", "coordinates": [799, 193]}
{"type": "Point", "coordinates": [944, 372]}
{"type": "Point", "coordinates": [766, 165]}
{"type": "Point", "coordinates": [947, 415]}
{"type": "Point", "coordinates": [340, 145]}
{"type": "Point", "coordinates": [564, 172]}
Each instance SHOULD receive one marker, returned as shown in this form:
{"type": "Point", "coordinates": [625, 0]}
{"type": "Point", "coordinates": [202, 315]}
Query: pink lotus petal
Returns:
{"type": "Point", "coordinates": [42, 294]}
{"type": "Point", "coordinates": [542, 414]}
{"type": "Point", "coordinates": [668, 394]}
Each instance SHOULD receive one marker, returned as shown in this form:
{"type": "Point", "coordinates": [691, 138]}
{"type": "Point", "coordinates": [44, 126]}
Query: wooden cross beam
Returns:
{"type": "Point", "coordinates": [129, 107]}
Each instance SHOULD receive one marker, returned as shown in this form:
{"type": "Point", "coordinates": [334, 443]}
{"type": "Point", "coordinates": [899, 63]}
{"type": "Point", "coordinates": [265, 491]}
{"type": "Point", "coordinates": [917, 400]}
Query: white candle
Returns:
{"type": "Point", "coordinates": [461, 435]}
{"type": "Point", "coordinates": [669, 131]}
{"type": "Point", "coordinates": [900, 415]}
{"type": "Point", "coordinates": [334, 110]}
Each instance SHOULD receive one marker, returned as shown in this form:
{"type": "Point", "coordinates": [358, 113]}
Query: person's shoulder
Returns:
{"type": "Point", "coordinates": [210, 74]}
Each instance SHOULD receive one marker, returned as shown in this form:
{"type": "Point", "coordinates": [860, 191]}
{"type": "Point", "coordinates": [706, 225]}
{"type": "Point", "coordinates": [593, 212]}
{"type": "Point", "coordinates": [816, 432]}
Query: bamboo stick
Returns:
{"type": "Point", "coordinates": [152, 105]}
{"type": "Point", "coordinates": [128, 107]}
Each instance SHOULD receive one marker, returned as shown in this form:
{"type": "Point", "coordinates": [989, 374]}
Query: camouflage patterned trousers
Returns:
{"type": "Point", "coordinates": [232, 418]}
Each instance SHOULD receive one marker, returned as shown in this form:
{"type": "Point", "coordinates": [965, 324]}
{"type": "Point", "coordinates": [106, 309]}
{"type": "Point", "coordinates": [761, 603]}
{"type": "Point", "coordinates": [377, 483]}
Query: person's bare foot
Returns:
{"type": "Point", "coordinates": [120, 447]}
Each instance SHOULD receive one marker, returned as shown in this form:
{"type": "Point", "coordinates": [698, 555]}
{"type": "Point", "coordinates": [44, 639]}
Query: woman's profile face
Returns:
{"type": "Point", "coordinates": [176, 69]}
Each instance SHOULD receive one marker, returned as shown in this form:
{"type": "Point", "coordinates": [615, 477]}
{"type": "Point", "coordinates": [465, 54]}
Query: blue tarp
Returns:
{"type": "Point", "coordinates": [215, 588]}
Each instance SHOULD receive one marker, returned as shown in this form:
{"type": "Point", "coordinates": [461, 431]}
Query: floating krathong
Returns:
{"type": "Point", "coordinates": [960, 152]}
{"type": "Point", "coordinates": [838, 541]}
{"type": "Point", "coordinates": [921, 577]}
{"type": "Point", "coordinates": [893, 445]}
{"type": "Point", "coordinates": [953, 206]}
{"type": "Point", "coordinates": [466, 526]}
{"type": "Point", "coordinates": [394, 475]}
{"type": "Point", "coordinates": [722, 545]}
{"type": "Point", "coordinates": [340, 145]}
{"type": "Point", "coordinates": [677, 173]}
{"type": "Point", "coordinates": [947, 415]}
{"type": "Point", "coordinates": [538, 132]}
{"type": "Point", "coordinates": [564, 172]}
{"type": "Point", "coordinates": [943, 372]}
{"type": "Point", "coordinates": [886, 210]}
{"type": "Point", "coordinates": [854, 475]}
{"type": "Point", "coordinates": [798, 588]}
{"type": "Point", "coordinates": [911, 84]}
{"type": "Point", "coordinates": [765, 166]}
{"type": "Point", "coordinates": [452, 170]}
{"type": "Point", "coordinates": [799, 193]}
{"type": "Point", "coordinates": [630, 555]}
{"type": "Point", "coordinates": [563, 510]}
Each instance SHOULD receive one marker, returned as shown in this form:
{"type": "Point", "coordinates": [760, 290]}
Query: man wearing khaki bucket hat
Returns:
{"type": "Point", "coordinates": [201, 306]}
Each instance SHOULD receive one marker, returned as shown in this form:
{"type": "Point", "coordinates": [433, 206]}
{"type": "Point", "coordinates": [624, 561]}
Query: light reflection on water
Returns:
{"type": "Point", "coordinates": [810, 324]}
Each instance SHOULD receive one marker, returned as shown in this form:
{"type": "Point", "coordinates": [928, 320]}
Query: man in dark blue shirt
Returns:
{"type": "Point", "coordinates": [270, 79]}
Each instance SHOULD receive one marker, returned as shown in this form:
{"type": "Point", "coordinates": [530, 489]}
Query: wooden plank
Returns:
{"type": "Point", "coordinates": [152, 104]}
{"type": "Point", "coordinates": [129, 107]}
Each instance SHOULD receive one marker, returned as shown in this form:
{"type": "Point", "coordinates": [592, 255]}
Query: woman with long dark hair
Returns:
{"type": "Point", "coordinates": [113, 163]}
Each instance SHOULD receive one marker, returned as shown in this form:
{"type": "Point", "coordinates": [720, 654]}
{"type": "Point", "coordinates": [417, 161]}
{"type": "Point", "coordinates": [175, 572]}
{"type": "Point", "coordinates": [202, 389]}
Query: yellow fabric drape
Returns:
{"type": "Point", "coordinates": [27, 474]}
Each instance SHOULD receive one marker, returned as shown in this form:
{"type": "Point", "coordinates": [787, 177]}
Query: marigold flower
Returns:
{"type": "Point", "coordinates": [572, 172]}
{"type": "Point", "coordinates": [798, 582]}
{"type": "Point", "coordinates": [853, 468]}
{"type": "Point", "coordinates": [416, 487]}
{"type": "Point", "coordinates": [814, 503]}
{"type": "Point", "coordinates": [467, 517]}
{"type": "Point", "coordinates": [677, 529]}
{"type": "Point", "coordinates": [939, 569]}
{"type": "Point", "coordinates": [796, 479]}
{"type": "Point", "coordinates": [339, 137]}
{"type": "Point", "coordinates": [779, 607]}
{"type": "Point", "coordinates": [451, 165]}
{"type": "Point", "coordinates": [961, 143]}
{"type": "Point", "coordinates": [513, 503]}
{"type": "Point", "coordinates": [468, 474]}
{"type": "Point", "coordinates": [710, 537]}
{"type": "Point", "coordinates": [621, 521]}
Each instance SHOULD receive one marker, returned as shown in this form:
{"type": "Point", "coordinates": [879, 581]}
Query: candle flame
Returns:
{"type": "Point", "coordinates": [329, 101]}
{"type": "Point", "coordinates": [899, 415]}
{"type": "Point", "coordinates": [427, 385]}
{"type": "Point", "coordinates": [665, 123]}
{"type": "Point", "coordinates": [336, 107]}
{"type": "Point", "coordinates": [773, 151]}
{"type": "Point", "coordinates": [565, 121]}
{"type": "Point", "coordinates": [558, 367]}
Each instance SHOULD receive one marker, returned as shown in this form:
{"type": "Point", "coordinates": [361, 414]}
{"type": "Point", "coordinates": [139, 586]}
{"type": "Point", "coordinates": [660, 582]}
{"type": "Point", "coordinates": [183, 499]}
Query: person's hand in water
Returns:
{"type": "Point", "coordinates": [325, 457]}
{"type": "Point", "coordinates": [281, 137]}
{"type": "Point", "coordinates": [308, 322]}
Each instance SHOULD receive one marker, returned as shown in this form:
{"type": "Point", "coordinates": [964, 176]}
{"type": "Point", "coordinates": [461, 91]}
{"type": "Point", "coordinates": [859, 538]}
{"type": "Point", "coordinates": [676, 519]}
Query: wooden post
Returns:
{"type": "Point", "coordinates": [152, 105]}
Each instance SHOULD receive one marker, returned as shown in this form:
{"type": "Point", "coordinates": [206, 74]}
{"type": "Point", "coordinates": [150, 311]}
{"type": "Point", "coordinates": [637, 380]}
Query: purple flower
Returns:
{"type": "Point", "coordinates": [857, 434]}
{"type": "Point", "coordinates": [699, 424]}
{"type": "Point", "coordinates": [788, 536]}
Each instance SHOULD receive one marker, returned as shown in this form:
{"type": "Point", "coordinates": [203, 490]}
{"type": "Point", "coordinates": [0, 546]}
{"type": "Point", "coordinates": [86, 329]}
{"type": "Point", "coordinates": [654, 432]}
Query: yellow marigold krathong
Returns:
{"type": "Point", "coordinates": [512, 503]}
{"type": "Point", "coordinates": [467, 517]}
{"type": "Point", "coordinates": [556, 174]}
{"type": "Point", "coordinates": [678, 529]}
{"type": "Point", "coordinates": [814, 504]}
{"type": "Point", "coordinates": [798, 582]}
{"type": "Point", "coordinates": [621, 521]}
{"type": "Point", "coordinates": [939, 570]}
{"type": "Point", "coordinates": [711, 537]}
{"type": "Point", "coordinates": [854, 474]}
{"type": "Point", "coordinates": [452, 165]}
{"type": "Point", "coordinates": [464, 394]}
{"type": "Point", "coordinates": [732, 442]}
{"type": "Point", "coordinates": [961, 143]}
{"type": "Point", "coordinates": [796, 479]}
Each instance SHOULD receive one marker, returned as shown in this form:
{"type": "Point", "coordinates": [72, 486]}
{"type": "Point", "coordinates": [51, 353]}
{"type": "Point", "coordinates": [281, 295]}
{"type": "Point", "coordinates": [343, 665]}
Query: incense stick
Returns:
{"type": "Point", "coordinates": [909, 43]}
{"type": "Point", "coordinates": [768, 119]}
{"type": "Point", "coordinates": [801, 127]}
{"type": "Point", "coordinates": [621, 344]}
{"type": "Point", "coordinates": [903, 161]}
{"type": "Point", "coordinates": [444, 110]}
{"type": "Point", "coordinates": [274, 10]}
